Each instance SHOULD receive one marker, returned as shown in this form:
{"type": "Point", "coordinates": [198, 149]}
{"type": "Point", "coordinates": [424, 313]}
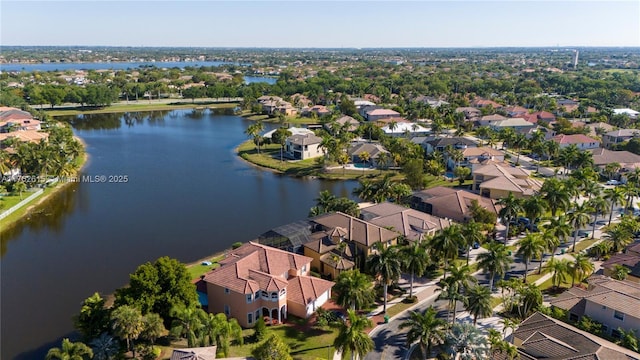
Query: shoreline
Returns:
{"type": "Point", "coordinates": [137, 107]}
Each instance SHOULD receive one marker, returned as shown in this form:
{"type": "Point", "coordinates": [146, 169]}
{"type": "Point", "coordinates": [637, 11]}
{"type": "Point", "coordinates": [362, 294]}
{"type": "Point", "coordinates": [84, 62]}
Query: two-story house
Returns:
{"type": "Point", "coordinates": [303, 146]}
{"type": "Point", "coordinates": [618, 136]}
{"type": "Point", "coordinates": [613, 303]}
{"type": "Point", "coordinates": [497, 180]}
{"type": "Point", "coordinates": [256, 281]}
{"type": "Point", "coordinates": [448, 203]}
{"type": "Point", "coordinates": [583, 142]}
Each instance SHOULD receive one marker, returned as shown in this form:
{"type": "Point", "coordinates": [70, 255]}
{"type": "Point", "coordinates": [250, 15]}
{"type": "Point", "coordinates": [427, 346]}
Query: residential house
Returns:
{"type": "Point", "coordinates": [632, 114]}
{"type": "Point", "coordinates": [496, 181]}
{"type": "Point", "coordinates": [613, 303]}
{"type": "Point", "coordinates": [541, 337]}
{"type": "Point", "coordinates": [290, 237]}
{"type": "Point", "coordinates": [199, 353]}
{"type": "Point", "coordinates": [630, 259]}
{"type": "Point", "coordinates": [472, 155]}
{"type": "Point", "coordinates": [386, 121]}
{"type": "Point", "coordinates": [359, 237]}
{"type": "Point", "coordinates": [359, 103]}
{"type": "Point", "coordinates": [470, 113]}
{"type": "Point", "coordinates": [539, 116]}
{"type": "Point", "coordinates": [481, 103]}
{"type": "Point", "coordinates": [414, 225]}
{"type": "Point", "coordinates": [302, 147]}
{"type": "Point", "coordinates": [375, 150]}
{"type": "Point", "coordinates": [599, 127]}
{"type": "Point", "coordinates": [274, 104]}
{"type": "Point", "coordinates": [583, 142]}
{"type": "Point", "coordinates": [379, 113]}
{"type": "Point", "coordinates": [33, 136]}
{"type": "Point", "coordinates": [618, 136]}
{"type": "Point", "coordinates": [516, 111]}
{"type": "Point", "coordinates": [431, 101]}
{"type": "Point", "coordinates": [256, 281]}
{"type": "Point", "coordinates": [320, 110]}
{"type": "Point", "coordinates": [293, 130]}
{"type": "Point", "coordinates": [449, 203]}
{"type": "Point", "coordinates": [431, 144]}
{"type": "Point", "coordinates": [12, 119]}
{"type": "Point", "coordinates": [404, 129]}
{"type": "Point", "coordinates": [627, 160]}
{"type": "Point", "coordinates": [489, 120]}
{"type": "Point", "coordinates": [344, 122]}
{"type": "Point", "coordinates": [517, 124]}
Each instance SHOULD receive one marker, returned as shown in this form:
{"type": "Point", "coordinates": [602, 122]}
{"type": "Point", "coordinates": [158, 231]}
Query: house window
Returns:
{"type": "Point", "coordinates": [257, 295]}
{"type": "Point", "coordinates": [274, 296]}
{"type": "Point", "coordinates": [618, 315]}
{"type": "Point", "coordinates": [616, 334]}
{"type": "Point", "coordinates": [304, 269]}
{"type": "Point", "coordinates": [249, 298]}
{"type": "Point", "coordinates": [264, 295]}
{"type": "Point", "coordinates": [227, 310]}
{"type": "Point", "coordinates": [227, 291]}
{"type": "Point", "coordinates": [250, 318]}
{"type": "Point", "coordinates": [283, 292]}
{"type": "Point", "coordinates": [257, 315]}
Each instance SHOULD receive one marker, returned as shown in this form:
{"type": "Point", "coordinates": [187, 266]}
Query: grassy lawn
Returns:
{"type": "Point", "coordinates": [120, 108]}
{"type": "Point", "coordinates": [495, 301]}
{"type": "Point", "coordinates": [197, 269]}
{"type": "Point", "coordinates": [9, 201]}
{"type": "Point", "coordinates": [585, 244]}
{"type": "Point", "coordinates": [310, 344]}
{"type": "Point", "coordinates": [398, 308]}
{"type": "Point", "coordinates": [549, 283]}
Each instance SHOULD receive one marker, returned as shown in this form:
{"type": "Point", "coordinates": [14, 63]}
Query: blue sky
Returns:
{"type": "Point", "coordinates": [333, 24]}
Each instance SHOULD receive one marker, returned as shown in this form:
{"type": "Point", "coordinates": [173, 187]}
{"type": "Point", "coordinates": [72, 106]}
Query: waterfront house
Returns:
{"type": "Point", "coordinates": [613, 303]}
{"type": "Point", "coordinates": [12, 119]}
{"type": "Point", "coordinates": [449, 203]}
{"type": "Point", "coordinates": [497, 180]}
{"type": "Point", "coordinates": [375, 151]}
{"type": "Point", "coordinates": [302, 147]}
{"type": "Point", "coordinates": [344, 123]}
{"type": "Point", "coordinates": [256, 281]}
{"type": "Point", "coordinates": [543, 337]}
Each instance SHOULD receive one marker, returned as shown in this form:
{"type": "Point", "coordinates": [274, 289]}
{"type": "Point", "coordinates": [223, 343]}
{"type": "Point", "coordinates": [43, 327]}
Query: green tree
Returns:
{"type": "Point", "coordinates": [581, 268]}
{"type": "Point", "coordinates": [462, 173]}
{"type": "Point", "coordinates": [556, 194]}
{"type": "Point", "coordinates": [272, 349]}
{"type": "Point", "coordinates": [127, 324]}
{"type": "Point", "coordinates": [620, 272]}
{"type": "Point", "coordinates": [153, 327]}
{"type": "Point", "coordinates": [477, 302]}
{"type": "Point", "coordinates": [531, 246]}
{"type": "Point", "coordinates": [629, 339]}
{"type": "Point", "coordinates": [446, 244]}
{"type": "Point", "coordinates": [280, 137]}
{"type": "Point", "coordinates": [260, 329]}
{"type": "Point", "coordinates": [386, 266]}
{"type": "Point", "coordinates": [618, 236]}
{"type": "Point", "coordinates": [352, 336]}
{"type": "Point", "coordinates": [495, 261]}
{"type": "Point", "coordinates": [220, 331]}
{"type": "Point", "coordinates": [559, 269]}
{"type": "Point", "coordinates": [70, 351]}
{"type": "Point", "coordinates": [415, 260]}
{"type": "Point", "coordinates": [93, 318]}
{"type": "Point", "coordinates": [579, 217]}
{"type": "Point", "coordinates": [615, 196]}
{"type": "Point", "coordinates": [19, 188]}
{"type": "Point", "coordinates": [104, 347]}
{"type": "Point", "coordinates": [465, 341]}
{"type": "Point", "coordinates": [414, 173]}
{"type": "Point", "coordinates": [511, 207]}
{"type": "Point", "coordinates": [426, 329]}
{"type": "Point", "coordinates": [188, 324]}
{"type": "Point", "coordinates": [253, 131]}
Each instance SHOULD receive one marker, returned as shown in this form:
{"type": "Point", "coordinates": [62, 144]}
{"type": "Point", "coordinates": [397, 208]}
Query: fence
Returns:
{"type": "Point", "coordinates": [20, 204]}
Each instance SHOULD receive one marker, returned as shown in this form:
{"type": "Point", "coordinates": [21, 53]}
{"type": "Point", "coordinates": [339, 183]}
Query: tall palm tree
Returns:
{"type": "Point", "coordinates": [187, 323]}
{"type": "Point", "coordinates": [561, 229]}
{"type": "Point", "coordinates": [581, 268]}
{"type": "Point", "coordinates": [466, 342]}
{"type": "Point", "coordinates": [128, 324]}
{"type": "Point", "coordinates": [556, 194]}
{"type": "Point", "coordinates": [599, 206]}
{"type": "Point", "coordinates": [447, 243]}
{"type": "Point", "coordinates": [511, 207]}
{"type": "Point", "coordinates": [478, 302]}
{"type": "Point", "coordinates": [534, 207]}
{"type": "Point", "coordinates": [219, 330]}
{"type": "Point", "coordinates": [426, 329]}
{"type": "Point", "coordinates": [70, 351]}
{"type": "Point", "coordinates": [415, 260]}
{"type": "Point", "coordinates": [619, 237]}
{"type": "Point", "coordinates": [386, 266]}
{"type": "Point", "coordinates": [104, 347]}
{"type": "Point", "coordinates": [559, 269]}
{"type": "Point", "coordinates": [579, 217]}
{"type": "Point", "coordinates": [450, 290]}
{"type": "Point", "coordinates": [153, 327]}
{"type": "Point", "coordinates": [471, 234]}
{"type": "Point", "coordinates": [352, 336]}
{"type": "Point", "coordinates": [354, 289]}
{"type": "Point", "coordinates": [495, 261]}
{"type": "Point", "coordinates": [615, 197]}
{"type": "Point", "coordinates": [531, 246]}
{"type": "Point", "coordinates": [630, 191]}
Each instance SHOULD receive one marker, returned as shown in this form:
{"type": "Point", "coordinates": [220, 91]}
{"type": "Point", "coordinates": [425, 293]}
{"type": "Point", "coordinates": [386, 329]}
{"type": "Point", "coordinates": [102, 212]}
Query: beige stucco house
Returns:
{"type": "Point", "coordinates": [497, 180]}
{"type": "Point", "coordinates": [303, 146]}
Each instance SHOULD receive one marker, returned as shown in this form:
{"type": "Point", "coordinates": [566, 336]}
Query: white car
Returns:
{"type": "Point", "coordinates": [613, 182]}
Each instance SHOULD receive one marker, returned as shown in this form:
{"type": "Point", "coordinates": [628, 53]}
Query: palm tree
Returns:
{"type": "Point", "coordinates": [560, 269]}
{"type": "Point", "coordinates": [629, 339]}
{"type": "Point", "coordinates": [531, 246]}
{"type": "Point", "coordinates": [559, 230]}
{"type": "Point", "coordinates": [619, 237]}
{"type": "Point", "coordinates": [511, 207]}
{"type": "Point", "coordinates": [471, 234]}
{"type": "Point", "coordinates": [599, 206]}
{"type": "Point", "coordinates": [466, 342]}
{"type": "Point", "coordinates": [415, 260]}
{"type": "Point", "coordinates": [386, 266]}
{"type": "Point", "coordinates": [534, 207]}
{"type": "Point", "coordinates": [364, 157]}
{"type": "Point", "coordinates": [611, 168]}
{"type": "Point", "coordinates": [620, 272]}
{"type": "Point", "coordinates": [446, 244]}
{"type": "Point", "coordinates": [579, 217]}
{"type": "Point", "coordinates": [19, 187]}
{"type": "Point", "coordinates": [495, 261]}
{"type": "Point", "coordinates": [104, 347]}
{"type": "Point", "coordinates": [462, 275]}
{"type": "Point", "coordinates": [187, 323]}
{"type": "Point", "coordinates": [70, 351]}
{"type": "Point", "coordinates": [352, 336]}
{"type": "Point", "coordinates": [153, 327]}
{"type": "Point", "coordinates": [615, 197]}
{"type": "Point", "coordinates": [426, 329]}
{"type": "Point", "coordinates": [127, 324]}
{"type": "Point", "coordinates": [630, 191]}
{"type": "Point", "coordinates": [581, 268]}
{"type": "Point", "coordinates": [556, 194]}
{"type": "Point", "coordinates": [219, 331]}
{"type": "Point", "coordinates": [478, 302]}
{"type": "Point", "coordinates": [450, 290]}
{"type": "Point", "coordinates": [354, 289]}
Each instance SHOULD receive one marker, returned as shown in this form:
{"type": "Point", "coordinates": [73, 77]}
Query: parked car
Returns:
{"type": "Point", "coordinates": [613, 182]}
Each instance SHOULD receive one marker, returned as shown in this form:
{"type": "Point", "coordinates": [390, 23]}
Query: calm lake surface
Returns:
{"type": "Point", "coordinates": [188, 196]}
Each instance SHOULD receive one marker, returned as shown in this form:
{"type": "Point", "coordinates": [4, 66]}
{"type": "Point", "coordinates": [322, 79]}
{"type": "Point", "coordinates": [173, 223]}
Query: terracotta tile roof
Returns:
{"type": "Point", "coordinates": [306, 289]}
{"type": "Point", "coordinates": [456, 200]}
{"type": "Point", "coordinates": [409, 222]}
{"type": "Point", "coordinates": [478, 151]}
{"type": "Point", "coordinates": [358, 230]}
{"type": "Point", "coordinates": [25, 135]}
{"type": "Point", "coordinates": [508, 178]}
{"type": "Point", "coordinates": [383, 112]}
{"type": "Point", "coordinates": [340, 264]}
{"type": "Point", "coordinates": [573, 139]}
{"type": "Point", "coordinates": [254, 267]}
{"type": "Point", "coordinates": [602, 156]}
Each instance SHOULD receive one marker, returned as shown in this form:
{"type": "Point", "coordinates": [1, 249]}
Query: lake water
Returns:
{"type": "Point", "coordinates": [188, 196]}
